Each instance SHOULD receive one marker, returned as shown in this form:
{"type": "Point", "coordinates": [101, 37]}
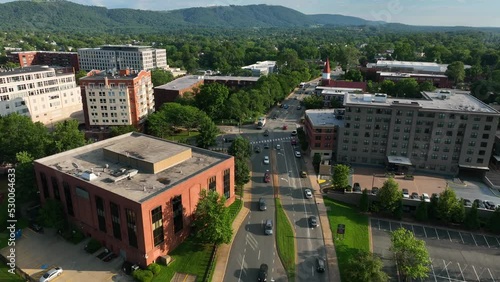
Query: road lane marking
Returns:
{"type": "Point", "coordinates": [446, 268]}
{"type": "Point", "coordinates": [449, 235]}
{"type": "Point", "coordinates": [473, 239]}
{"type": "Point", "coordinates": [241, 268]}
{"type": "Point", "coordinates": [462, 238]}
{"type": "Point", "coordinates": [476, 273]}
{"type": "Point", "coordinates": [433, 273]}
{"type": "Point", "coordinates": [486, 241]}
{"type": "Point", "coordinates": [425, 232]}
{"type": "Point", "coordinates": [491, 275]}
{"type": "Point", "coordinates": [437, 233]}
{"type": "Point", "coordinates": [461, 272]}
{"type": "Point", "coordinates": [258, 257]}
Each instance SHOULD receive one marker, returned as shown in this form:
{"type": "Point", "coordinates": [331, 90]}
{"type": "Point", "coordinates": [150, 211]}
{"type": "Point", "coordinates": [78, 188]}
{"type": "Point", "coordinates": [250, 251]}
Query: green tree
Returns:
{"type": "Point", "coordinates": [494, 221]}
{"type": "Point", "coordinates": [26, 189]}
{"type": "Point", "coordinates": [67, 136]}
{"type": "Point", "coordinates": [411, 255]}
{"type": "Point", "coordinates": [471, 221]}
{"type": "Point", "coordinates": [388, 87]}
{"type": "Point", "coordinates": [364, 202]}
{"type": "Point", "coordinates": [211, 99]}
{"type": "Point", "coordinates": [458, 212]}
{"type": "Point", "coordinates": [456, 71]}
{"type": "Point", "coordinates": [354, 75]}
{"type": "Point", "coordinates": [340, 177]}
{"type": "Point", "coordinates": [422, 214]}
{"type": "Point", "coordinates": [161, 76]}
{"type": "Point", "coordinates": [212, 221]}
{"type": "Point", "coordinates": [119, 130]}
{"type": "Point", "coordinates": [316, 161]}
{"type": "Point", "coordinates": [52, 214]}
{"type": "Point", "coordinates": [426, 86]}
{"type": "Point", "coordinates": [389, 195]}
{"type": "Point", "coordinates": [240, 148]}
{"type": "Point", "coordinates": [79, 75]}
{"type": "Point", "coordinates": [433, 207]}
{"type": "Point", "coordinates": [363, 266]}
{"type": "Point", "coordinates": [373, 87]}
{"type": "Point", "coordinates": [447, 204]}
{"type": "Point", "coordinates": [313, 102]}
{"type": "Point", "coordinates": [241, 172]}
{"type": "Point", "coordinates": [398, 211]}
{"type": "Point", "coordinates": [157, 125]}
{"type": "Point", "coordinates": [208, 133]}
{"type": "Point", "coordinates": [143, 275]}
{"type": "Point", "coordinates": [407, 88]}
{"type": "Point", "coordinates": [404, 51]}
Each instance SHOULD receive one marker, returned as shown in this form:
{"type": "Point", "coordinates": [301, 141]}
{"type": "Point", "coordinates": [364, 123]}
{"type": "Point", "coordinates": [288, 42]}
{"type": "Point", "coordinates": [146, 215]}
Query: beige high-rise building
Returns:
{"type": "Point", "coordinates": [42, 93]}
{"type": "Point", "coordinates": [444, 132]}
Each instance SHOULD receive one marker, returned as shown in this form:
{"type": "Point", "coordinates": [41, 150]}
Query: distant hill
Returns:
{"type": "Point", "coordinates": [61, 15]}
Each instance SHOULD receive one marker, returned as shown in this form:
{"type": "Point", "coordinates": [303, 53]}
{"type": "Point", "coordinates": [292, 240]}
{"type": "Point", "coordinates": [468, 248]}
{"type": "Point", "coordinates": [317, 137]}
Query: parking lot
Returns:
{"type": "Point", "coordinates": [455, 255]}
{"type": "Point", "coordinates": [36, 253]}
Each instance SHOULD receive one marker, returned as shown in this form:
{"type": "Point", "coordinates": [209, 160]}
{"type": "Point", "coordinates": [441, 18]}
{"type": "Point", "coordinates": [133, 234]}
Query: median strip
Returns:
{"type": "Point", "coordinates": [285, 241]}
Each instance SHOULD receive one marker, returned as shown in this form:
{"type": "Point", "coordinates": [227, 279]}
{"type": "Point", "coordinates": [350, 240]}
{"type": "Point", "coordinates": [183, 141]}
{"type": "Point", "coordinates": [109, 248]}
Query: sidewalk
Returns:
{"type": "Point", "coordinates": [331, 255]}
{"type": "Point", "coordinates": [224, 250]}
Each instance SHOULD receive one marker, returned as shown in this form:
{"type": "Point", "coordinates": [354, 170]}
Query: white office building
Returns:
{"type": "Point", "coordinates": [120, 57]}
{"type": "Point", "coordinates": [40, 92]}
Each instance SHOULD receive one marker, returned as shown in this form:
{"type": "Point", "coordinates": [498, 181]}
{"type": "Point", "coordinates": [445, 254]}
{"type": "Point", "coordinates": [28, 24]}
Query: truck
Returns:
{"type": "Point", "coordinates": [261, 122]}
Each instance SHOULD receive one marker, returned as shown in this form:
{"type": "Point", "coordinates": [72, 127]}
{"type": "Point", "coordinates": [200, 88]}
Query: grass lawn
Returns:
{"type": "Point", "coordinates": [188, 257]}
{"type": "Point", "coordinates": [356, 230]}
{"type": "Point", "coordinates": [7, 276]}
{"type": "Point", "coordinates": [285, 240]}
{"type": "Point", "coordinates": [234, 209]}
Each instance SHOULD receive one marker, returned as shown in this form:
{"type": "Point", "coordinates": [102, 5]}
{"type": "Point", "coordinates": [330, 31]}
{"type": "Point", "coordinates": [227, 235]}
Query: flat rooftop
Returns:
{"type": "Point", "coordinates": [325, 117]}
{"type": "Point", "coordinates": [239, 78]}
{"type": "Point", "coordinates": [30, 69]}
{"type": "Point", "coordinates": [100, 75]}
{"type": "Point", "coordinates": [261, 65]}
{"type": "Point", "coordinates": [181, 82]}
{"type": "Point", "coordinates": [122, 176]}
{"type": "Point", "coordinates": [400, 74]}
{"type": "Point", "coordinates": [447, 100]}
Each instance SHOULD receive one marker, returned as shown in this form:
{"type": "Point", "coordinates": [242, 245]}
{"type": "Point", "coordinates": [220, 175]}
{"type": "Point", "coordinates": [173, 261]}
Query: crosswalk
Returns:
{"type": "Point", "coordinates": [271, 140]}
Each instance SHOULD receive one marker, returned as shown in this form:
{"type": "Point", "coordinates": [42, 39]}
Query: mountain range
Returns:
{"type": "Point", "coordinates": [65, 16]}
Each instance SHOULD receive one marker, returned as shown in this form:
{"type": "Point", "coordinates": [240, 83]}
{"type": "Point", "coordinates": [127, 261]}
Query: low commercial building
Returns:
{"type": "Point", "coordinates": [49, 58]}
{"type": "Point", "coordinates": [47, 95]}
{"type": "Point", "coordinates": [134, 193]}
{"type": "Point", "coordinates": [438, 80]}
{"type": "Point", "coordinates": [261, 68]}
{"type": "Point", "coordinates": [321, 128]}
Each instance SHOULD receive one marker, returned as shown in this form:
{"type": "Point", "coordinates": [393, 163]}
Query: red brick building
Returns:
{"type": "Point", "coordinates": [321, 128]}
{"type": "Point", "coordinates": [61, 59]}
{"type": "Point", "coordinates": [438, 80]}
{"type": "Point", "coordinates": [134, 193]}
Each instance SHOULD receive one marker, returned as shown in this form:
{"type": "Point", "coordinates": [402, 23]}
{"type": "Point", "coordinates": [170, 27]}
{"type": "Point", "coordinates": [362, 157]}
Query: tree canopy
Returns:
{"type": "Point", "coordinates": [363, 266]}
{"type": "Point", "coordinates": [389, 195]}
{"type": "Point", "coordinates": [411, 255]}
{"type": "Point", "coordinates": [212, 221]}
{"type": "Point", "coordinates": [340, 177]}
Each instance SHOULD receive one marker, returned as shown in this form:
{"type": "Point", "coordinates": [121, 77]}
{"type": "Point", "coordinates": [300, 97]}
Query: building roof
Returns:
{"type": "Point", "coordinates": [46, 52]}
{"type": "Point", "coordinates": [101, 75]}
{"type": "Point", "coordinates": [238, 78]}
{"type": "Point", "coordinates": [407, 75]}
{"type": "Point", "coordinates": [327, 66]}
{"type": "Point", "coordinates": [30, 69]}
{"type": "Point", "coordinates": [261, 65]}
{"type": "Point", "coordinates": [127, 47]}
{"type": "Point", "coordinates": [440, 100]}
{"type": "Point", "coordinates": [181, 82]}
{"type": "Point", "coordinates": [120, 164]}
{"type": "Point", "coordinates": [325, 117]}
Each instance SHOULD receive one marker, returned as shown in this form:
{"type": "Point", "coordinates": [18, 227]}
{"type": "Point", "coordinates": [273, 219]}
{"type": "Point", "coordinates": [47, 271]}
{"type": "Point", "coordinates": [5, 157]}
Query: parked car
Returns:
{"type": "Point", "coordinates": [36, 227]}
{"type": "Point", "coordinates": [313, 221]}
{"type": "Point", "coordinates": [467, 202]}
{"type": "Point", "coordinates": [308, 193]}
{"type": "Point", "coordinates": [374, 190]}
{"type": "Point", "coordinates": [294, 133]}
{"type": "Point", "coordinates": [266, 160]}
{"type": "Point", "coordinates": [262, 277]}
{"type": "Point", "coordinates": [356, 188]}
{"type": "Point", "coordinates": [426, 198]}
{"type": "Point", "coordinates": [414, 196]}
{"type": "Point", "coordinates": [303, 174]}
{"type": "Point", "coordinates": [297, 154]}
{"type": "Point", "coordinates": [489, 205]}
{"type": "Point", "coordinates": [479, 204]}
{"type": "Point", "coordinates": [406, 194]}
{"type": "Point", "coordinates": [267, 177]}
{"type": "Point", "coordinates": [262, 204]}
{"type": "Point", "coordinates": [320, 264]}
{"type": "Point", "coordinates": [51, 274]}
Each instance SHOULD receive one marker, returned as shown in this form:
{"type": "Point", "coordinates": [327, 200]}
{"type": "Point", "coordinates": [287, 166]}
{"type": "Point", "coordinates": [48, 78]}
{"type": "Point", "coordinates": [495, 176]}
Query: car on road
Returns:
{"type": "Point", "coordinates": [257, 149]}
{"type": "Point", "coordinates": [414, 196]}
{"type": "Point", "coordinates": [489, 205]}
{"type": "Point", "coordinates": [262, 204]}
{"type": "Point", "coordinates": [51, 274]}
{"type": "Point", "coordinates": [313, 221]}
{"type": "Point", "coordinates": [266, 133]}
{"type": "Point", "coordinates": [278, 147]}
{"type": "Point", "coordinates": [285, 127]}
{"type": "Point", "coordinates": [294, 132]}
{"type": "Point", "coordinates": [320, 264]}
{"type": "Point", "coordinates": [426, 198]}
{"type": "Point", "coordinates": [36, 227]}
{"type": "Point", "coordinates": [375, 190]}
{"type": "Point", "coordinates": [266, 160]}
{"type": "Point", "coordinates": [406, 194]}
{"type": "Point", "coordinates": [303, 174]}
{"type": "Point", "coordinates": [308, 193]}
{"type": "Point", "coordinates": [285, 107]}
{"type": "Point", "coordinates": [479, 204]}
{"type": "Point", "coordinates": [262, 277]}
{"type": "Point", "coordinates": [266, 146]}
{"type": "Point", "coordinates": [356, 188]}
{"type": "Point", "coordinates": [467, 202]}
{"type": "Point", "coordinates": [268, 227]}
{"type": "Point", "coordinates": [297, 154]}
{"type": "Point", "coordinates": [293, 141]}
{"type": "Point", "coordinates": [267, 177]}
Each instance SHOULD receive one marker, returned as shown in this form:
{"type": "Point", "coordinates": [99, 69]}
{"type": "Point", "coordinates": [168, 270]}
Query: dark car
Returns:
{"type": "Point", "coordinates": [266, 132]}
{"type": "Point", "coordinates": [262, 204]}
{"type": "Point", "coordinates": [489, 205]}
{"type": "Point", "coordinates": [479, 204]}
{"type": "Point", "coordinates": [356, 188]}
{"type": "Point", "coordinates": [313, 221]}
{"type": "Point", "coordinates": [375, 190]}
{"type": "Point", "coordinates": [36, 227]}
{"type": "Point", "coordinates": [257, 149]}
{"type": "Point", "coordinates": [228, 140]}
{"type": "Point", "coordinates": [414, 196]}
{"type": "Point", "coordinates": [266, 146]}
{"type": "Point", "coordinates": [262, 273]}
{"type": "Point", "coordinates": [129, 267]}
{"type": "Point", "coordinates": [320, 264]}
{"type": "Point", "coordinates": [267, 177]}
{"type": "Point", "coordinates": [293, 141]}
{"type": "Point", "coordinates": [467, 202]}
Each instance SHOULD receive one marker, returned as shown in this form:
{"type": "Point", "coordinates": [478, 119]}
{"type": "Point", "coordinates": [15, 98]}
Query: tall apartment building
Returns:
{"type": "Point", "coordinates": [321, 128]}
{"type": "Point", "coordinates": [444, 132]}
{"type": "Point", "coordinates": [110, 100]}
{"type": "Point", "coordinates": [42, 93]}
{"type": "Point", "coordinates": [120, 57]}
{"type": "Point", "coordinates": [60, 59]}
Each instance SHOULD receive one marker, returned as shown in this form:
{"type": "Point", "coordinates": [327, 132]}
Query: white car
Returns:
{"type": "Point", "coordinates": [308, 194]}
{"type": "Point", "coordinates": [297, 154]}
{"type": "Point", "coordinates": [294, 132]}
{"type": "Point", "coordinates": [266, 160]}
{"type": "Point", "coordinates": [406, 194]}
{"type": "Point", "coordinates": [278, 147]}
{"type": "Point", "coordinates": [51, 274]}
{"type": "Point", "coordinates": [426, 198]}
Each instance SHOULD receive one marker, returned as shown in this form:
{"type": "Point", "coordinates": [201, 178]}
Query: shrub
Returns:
{"type": "Point", "coordinates": [364, 202]}
{"type": "Point", "coordinates": [143, 275]}
{"type": "Point", "coordinates": [155, 268]}
{"type": "Point", "coordinates": [422, 214]}
{"type": "Point", "coordinates": [92, 246]}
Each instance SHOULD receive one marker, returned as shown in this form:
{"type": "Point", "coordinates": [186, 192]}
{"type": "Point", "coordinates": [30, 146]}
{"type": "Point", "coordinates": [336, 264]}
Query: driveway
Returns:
{"type": "Point", "coordinates": [36, 253]}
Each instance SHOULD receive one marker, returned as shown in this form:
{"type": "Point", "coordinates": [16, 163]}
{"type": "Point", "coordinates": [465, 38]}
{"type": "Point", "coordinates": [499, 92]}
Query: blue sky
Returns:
{"type": "Point", "coordinates": [416, 12]}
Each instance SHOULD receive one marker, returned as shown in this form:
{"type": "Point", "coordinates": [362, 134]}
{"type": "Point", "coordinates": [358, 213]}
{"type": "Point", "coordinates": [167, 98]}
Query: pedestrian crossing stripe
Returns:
{"type": "Point", "coordinates": [270, 140]}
